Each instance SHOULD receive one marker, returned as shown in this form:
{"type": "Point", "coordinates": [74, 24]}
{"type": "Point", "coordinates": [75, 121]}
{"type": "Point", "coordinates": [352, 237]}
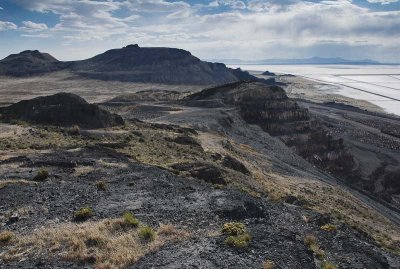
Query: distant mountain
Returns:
{"type": "Point", "coordinates": [133, 64]}
{"type": "Point", "coordinates": [29, 62]}
{"type": "Point", "coordinates": [313, 60]}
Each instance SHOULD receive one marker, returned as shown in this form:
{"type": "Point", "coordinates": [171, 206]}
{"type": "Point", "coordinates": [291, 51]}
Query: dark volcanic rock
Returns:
{"type": "Point", "coordinates": [61, 109]}
{"type": "Point", "coordinates": [29, 62]}
{"type": "Point", "coordinates": [234, 164]}
{"type": "Point", "coordinates": [207, 172]}
{"type": "Point", "coordinates": [268, 73]}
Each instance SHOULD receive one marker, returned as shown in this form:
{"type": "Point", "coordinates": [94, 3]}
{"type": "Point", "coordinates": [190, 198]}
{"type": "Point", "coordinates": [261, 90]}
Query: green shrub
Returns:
{"type": "Point", "coordinates": [6, 236]}
{"type": "Point", "coordinates": [328, 265]}
{"type": "Point", "coordinates": [101, 185]}
{"type": "Point", "coordinates": [130, 220]}
{"type": "Point", "coordinates": [238, 241]}
{"type": "Point", "coordinates": [329, 227]}
{"type": "Point", "coordinates": [233, 228]}
{"type": "Point", "coordinates": [83, 214]}
{"type": "Point", "coordinates": [41, 175]}
{"type": "Point", "coordinates": [146, 233]}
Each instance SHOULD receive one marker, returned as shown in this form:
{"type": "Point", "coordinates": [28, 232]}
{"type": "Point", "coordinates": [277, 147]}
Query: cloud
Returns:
{"type": "Point", "coordinates": [247, 29]}
{"type": "Point", "coordinates": [6, 25]}
{"type": "Point", "coordinates": [1, 8]}
{"type": "Point", "coordinates": [30, 26]}
{"type": "Point", "coordinates": [383, 2]}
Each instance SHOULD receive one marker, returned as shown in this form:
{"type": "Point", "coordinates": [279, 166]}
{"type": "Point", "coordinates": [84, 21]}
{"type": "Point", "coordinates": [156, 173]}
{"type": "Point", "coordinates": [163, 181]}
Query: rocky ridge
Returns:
{"type": "Point", "coordinates": [61, 109]}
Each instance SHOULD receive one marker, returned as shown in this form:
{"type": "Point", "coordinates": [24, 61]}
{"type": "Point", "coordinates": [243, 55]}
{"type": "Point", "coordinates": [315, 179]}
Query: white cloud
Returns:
{"type": "Point", "coordinates": [6, 25]}
{"type": "Point", "coordinates": [383, 2]}
{"type": "Point", "coordinates": [30, 26]}
{"type": "Point", "coordinates": [1, 8]}
{"type": "Point", "coordinates": [247, 29]}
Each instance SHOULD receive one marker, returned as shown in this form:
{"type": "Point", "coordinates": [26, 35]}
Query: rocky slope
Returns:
{"type": "Point", "coordinates": [271, 109]}
{"type": "Point", "coordinates": [61, 109]}
{"type": "Point", "coordinates": [131, 63]}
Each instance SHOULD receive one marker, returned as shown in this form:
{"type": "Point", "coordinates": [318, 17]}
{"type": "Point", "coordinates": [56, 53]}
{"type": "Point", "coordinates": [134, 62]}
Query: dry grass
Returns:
{"type": "Point", "coordinates": [107, 244]}
{"type": "Point", "coordinates": [268, 264]}
{"type": "Point", "coordinates": [5, 183]}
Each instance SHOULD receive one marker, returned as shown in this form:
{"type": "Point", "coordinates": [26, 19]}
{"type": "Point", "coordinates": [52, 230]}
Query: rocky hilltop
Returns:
{"type": "Point", "coordinates": [29, 62]}
{"type": "Point", "coordinates": [61, 109]}
{"type": "Point", "coordinates": [132, 64]}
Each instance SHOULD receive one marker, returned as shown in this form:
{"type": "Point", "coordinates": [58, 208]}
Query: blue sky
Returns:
{"type": "Point", "coordinates": [210, 29]}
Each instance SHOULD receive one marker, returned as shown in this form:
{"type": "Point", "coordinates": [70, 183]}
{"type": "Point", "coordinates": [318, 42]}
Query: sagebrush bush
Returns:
{"type": "Point", "coordinates": [233, 228]}
{"type": "Point", "coordinates": [238, 241]}
{"type": "Point", "coordinates": [41, 175]}
{"type": "Point", "coordinates": [83, 213]}
{"type": "Point", "coordinates": [146, 233]}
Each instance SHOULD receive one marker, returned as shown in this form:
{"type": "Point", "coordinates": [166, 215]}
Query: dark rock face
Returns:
{"type": "Point", "coordinates": [204, 171]}
{"type": "Point", "coordinates": [29, 62]}
{"type": "Point", "coordinates": [62, 109]}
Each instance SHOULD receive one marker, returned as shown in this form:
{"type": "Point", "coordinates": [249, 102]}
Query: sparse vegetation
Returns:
{"type": "Point", "coordinates": [74, 130]}
{"type": "Point", "coordinates": [329, 227]}
{"type": "Point", "coordinates": [312, 243]}
{"type": "Point", "coordinates": [268, 264]}
{"type": "Point", "coordinates": [41, 175]}
{"type": "Point", "coordinates": [83, 214]}
{"type": "Point", "coordinates": [102, 243]}
{"type": "Point", "coordinates": [238, 237]}
{"type": "Point", "coordinates": [233, 228]}
{"type": "Point", "coordinates": [101, 185]}
{"type": "Point", "coordinates": [328, 265]}
{"type": "Point", "coordinates": [238, 241]}
{"type": "Point", "coordinates": [146, 233]}
{"type": "Point", "coordinates": [5, 237]}
{"type": "Point", "coordinates": [130, 220]}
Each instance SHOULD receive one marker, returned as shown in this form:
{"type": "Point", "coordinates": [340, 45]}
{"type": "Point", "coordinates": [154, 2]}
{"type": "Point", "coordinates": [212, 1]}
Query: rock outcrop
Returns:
{"type": "Point", "coordinates": [61, 109]}
{"type": "Point", "coordinates": [271, 109]}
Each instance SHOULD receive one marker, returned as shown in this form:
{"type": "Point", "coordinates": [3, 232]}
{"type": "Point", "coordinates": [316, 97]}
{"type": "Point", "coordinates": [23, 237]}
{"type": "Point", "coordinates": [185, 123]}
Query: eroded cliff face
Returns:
{"type": "Point", "coordinates": [271, 109]}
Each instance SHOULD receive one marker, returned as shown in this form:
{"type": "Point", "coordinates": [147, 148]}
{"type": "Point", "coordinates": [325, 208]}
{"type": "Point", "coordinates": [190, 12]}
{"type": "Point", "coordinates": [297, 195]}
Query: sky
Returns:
{"type": "Point", "coordinates": [209, 29]}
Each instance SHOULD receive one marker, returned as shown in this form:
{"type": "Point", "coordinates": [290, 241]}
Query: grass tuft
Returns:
{"type": "Point", "coordinates": [268, 264]}
{"type": "Point", "coordinates": [101, 185]}
{"type": "Point", "coordinates": [83, 214]}
{"type": "Point", "coordinates": [130, 220]}
{"type": "Point", "coordinates": [6, 236]}
{"type": "Point", "coordinates": [41, 175]}
{"type": "Point", "coordinates": [238, 241]}
{"type": "Point", "coordinates": [146, 233]}
{"type": "Point", "coordinates": [329, 227]}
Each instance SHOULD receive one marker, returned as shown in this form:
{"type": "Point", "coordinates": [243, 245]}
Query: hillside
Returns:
{"type": "Point", "coordinates": [29, 62]}
{"type": "Point", "coordinates": [131, 64]}
{"type": "Point", "coordinates": [191, 179]}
